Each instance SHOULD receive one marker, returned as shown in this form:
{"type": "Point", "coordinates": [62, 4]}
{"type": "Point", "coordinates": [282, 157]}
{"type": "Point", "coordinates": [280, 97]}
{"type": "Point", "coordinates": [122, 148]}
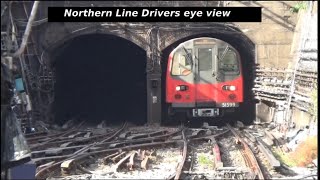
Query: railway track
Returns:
{"type": "Point", "coordinates": [67, 153]}
{"type": "Point", "coordinates": [248, 155]}
{"type": "Point", "coordinates": [257, 160]}
{"type": "Point", "coordinates": [55, 163]}
{"type": "Point", "coordinates": [202, 159]}
{"type": "Point", "coordinates": [159, 152]}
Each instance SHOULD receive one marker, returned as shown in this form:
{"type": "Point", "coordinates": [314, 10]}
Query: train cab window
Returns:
{"type": "Point", "coordinates": [228, 60]}
{"type": "Point", "coordinates": [182, 62]}
{"type": "Point", "coordinates": [205, 59]}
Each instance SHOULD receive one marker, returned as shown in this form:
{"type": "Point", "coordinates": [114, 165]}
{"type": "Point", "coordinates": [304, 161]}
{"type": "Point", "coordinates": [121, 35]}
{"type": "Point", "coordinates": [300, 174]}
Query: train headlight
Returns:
{"type": "Point", "coordinates": [181, 88]}
{"type": "Point", "coordinates": [229, 88]}
{"type": "Point", "coordinates": [232, 88]}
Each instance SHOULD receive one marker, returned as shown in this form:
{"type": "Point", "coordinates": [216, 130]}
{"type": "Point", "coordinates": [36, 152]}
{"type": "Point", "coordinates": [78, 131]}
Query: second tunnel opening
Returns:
{"type": "Point", "coordinates": [99, 78]}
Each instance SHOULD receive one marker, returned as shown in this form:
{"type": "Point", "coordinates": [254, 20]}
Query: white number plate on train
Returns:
{"type": "Point", "coordinates": [228, 105]}
{"type": "Point", "coordinates": [209, 112]}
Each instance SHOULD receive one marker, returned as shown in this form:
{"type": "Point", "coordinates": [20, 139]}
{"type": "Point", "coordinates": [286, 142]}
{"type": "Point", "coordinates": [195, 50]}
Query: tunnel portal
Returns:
{"type": "Point", "coordinates": [100, 77]}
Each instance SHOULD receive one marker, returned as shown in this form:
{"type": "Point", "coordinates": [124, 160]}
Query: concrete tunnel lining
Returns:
{"type": "Point", "coordinates": [100, 77]}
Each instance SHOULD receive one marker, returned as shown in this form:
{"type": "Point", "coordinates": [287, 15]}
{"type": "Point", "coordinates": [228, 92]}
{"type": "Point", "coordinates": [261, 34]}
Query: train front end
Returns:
{"type": "Point", "coordinates": [204, 79]}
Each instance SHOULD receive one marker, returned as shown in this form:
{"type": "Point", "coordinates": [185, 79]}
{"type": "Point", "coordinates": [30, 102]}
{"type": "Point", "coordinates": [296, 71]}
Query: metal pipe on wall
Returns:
{"type": "Point", "coordinates": [28, 29]}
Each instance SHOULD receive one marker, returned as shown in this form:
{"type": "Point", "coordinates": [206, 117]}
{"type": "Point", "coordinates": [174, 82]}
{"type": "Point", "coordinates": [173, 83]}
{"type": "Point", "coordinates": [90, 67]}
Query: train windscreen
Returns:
{"type": "Point", "coordinates": [213, 59]}
{"type": "Point", "coordinates": [181, 62]}
{"type": "Point", "coordinates": [228, 61]}
{"type": "Point", "coordinates": [205, 54]}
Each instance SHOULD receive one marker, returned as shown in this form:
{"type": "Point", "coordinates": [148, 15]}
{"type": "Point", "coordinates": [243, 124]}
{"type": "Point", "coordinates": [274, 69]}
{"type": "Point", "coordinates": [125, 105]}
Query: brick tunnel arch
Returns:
{"type": "Point", "coordinates": [98, 78]}
{"type": "Point", "coordinates": [239, 41]}
{"type": "Point", "coordinates": [55, 35]}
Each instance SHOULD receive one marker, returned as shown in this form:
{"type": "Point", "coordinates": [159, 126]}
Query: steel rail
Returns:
{"type": "Point", "coordinates": [105, 145]}
{"type": "Point", "coordinates": [66, 133]}
{"type": "Point", "coordinates": [80, 158]}
{"type": "Point", "coordinates": [69, 141]}
{"type": "Point", "coordinates": [184, 156]}
{"type": "Point", "coordinates": [37, 134]}
{"type": "Point", "coordinates": [209, 137]}
{"type": "Point", "coordinates": [32, 140]}
{"type": "Point", "coordinates": [61, 135]}
{"type": "Point", "coordinates": [248, 155]}
{"type": "Point", "coordinates": [43, 172]}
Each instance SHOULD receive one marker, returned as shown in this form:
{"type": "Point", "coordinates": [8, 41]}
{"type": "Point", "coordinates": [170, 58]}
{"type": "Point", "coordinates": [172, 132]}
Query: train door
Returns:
{"type": "Point", "coordinates": [205, 72]}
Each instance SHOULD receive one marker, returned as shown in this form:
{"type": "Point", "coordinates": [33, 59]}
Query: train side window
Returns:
{"type": "Point", "coordinates": [180, 64]}
{"type": "Point", "coordinates": [228, 62]}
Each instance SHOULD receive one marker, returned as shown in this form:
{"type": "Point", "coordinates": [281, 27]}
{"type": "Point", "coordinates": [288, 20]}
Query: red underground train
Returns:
{"type": "Point", "coordinates": [204, 79]}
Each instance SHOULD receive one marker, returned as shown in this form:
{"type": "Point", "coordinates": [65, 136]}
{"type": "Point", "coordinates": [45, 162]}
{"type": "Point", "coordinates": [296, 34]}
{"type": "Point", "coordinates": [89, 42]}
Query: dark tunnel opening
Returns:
{"type": "Point", "coordinates": [99, 78]}
{"type": "Point", "coordinates": [246, 49]}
